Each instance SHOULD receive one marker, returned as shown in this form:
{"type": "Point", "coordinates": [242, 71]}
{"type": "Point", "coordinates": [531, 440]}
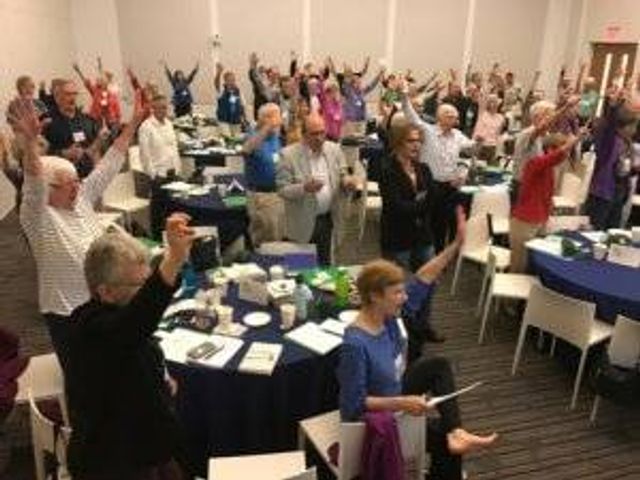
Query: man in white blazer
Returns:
{"type": "Point", "coordinates": [310, 176]}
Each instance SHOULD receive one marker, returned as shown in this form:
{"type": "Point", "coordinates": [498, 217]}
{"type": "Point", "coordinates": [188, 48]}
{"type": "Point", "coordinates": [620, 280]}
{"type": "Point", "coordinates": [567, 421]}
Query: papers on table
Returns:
{"type": "Point", "coordinates": [595, 237]}
{"type": "Point", "coordinates": [433, 401]}
{"type": "Point", "coordinates": [180, 306]}
{"type": "Point", "coordinates": [261, 358]}
{"type": "Point", "coordinates": [281, 288]}
{"type": "Point", "coordinates": [334, 326]}
{"type": "Point", "coordinates": [624, 255]}
{"type": "Point", "coordinates": [176, 344]}
{"type": "Point", "coordinates": [244, 270]}
{"type": "Point", "coordinates": [178, 186]}
{"type": "Point", "coordinates": [551, 245]}
{"type": "Point", "coordinates": [312, 337]}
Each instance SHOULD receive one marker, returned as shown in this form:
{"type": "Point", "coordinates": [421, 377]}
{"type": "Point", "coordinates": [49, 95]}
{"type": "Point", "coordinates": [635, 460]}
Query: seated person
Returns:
{"type": "Point", "coordinates": [372, 373]}
{"type": "Point", "coordinates": [118, 391]}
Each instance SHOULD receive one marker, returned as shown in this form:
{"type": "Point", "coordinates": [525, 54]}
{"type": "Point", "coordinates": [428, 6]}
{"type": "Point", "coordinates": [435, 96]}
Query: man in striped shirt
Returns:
{"type": "Point", "coordinates": [58, 216]}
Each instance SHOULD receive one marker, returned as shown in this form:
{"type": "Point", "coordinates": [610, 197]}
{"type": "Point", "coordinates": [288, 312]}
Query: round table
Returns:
{"type": "Point", "coordinates": [210, 209]}
{"type": "Point", "coordinates": [615, 289]}
{"type": "Point", "coordinates": [226, 412]}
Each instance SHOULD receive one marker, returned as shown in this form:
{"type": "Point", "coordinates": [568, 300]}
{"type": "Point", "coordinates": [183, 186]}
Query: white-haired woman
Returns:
{"type": "Point", "coordinates": [118, 392]}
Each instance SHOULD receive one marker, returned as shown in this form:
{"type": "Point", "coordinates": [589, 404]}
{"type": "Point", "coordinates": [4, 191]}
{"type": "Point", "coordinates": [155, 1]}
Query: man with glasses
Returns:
{"type": "Point", "coordinates": [58, 216]}
{"type": "Point", "coordinates": [72, 134]}
{"type": "Point", "coordinates": [309, 176]}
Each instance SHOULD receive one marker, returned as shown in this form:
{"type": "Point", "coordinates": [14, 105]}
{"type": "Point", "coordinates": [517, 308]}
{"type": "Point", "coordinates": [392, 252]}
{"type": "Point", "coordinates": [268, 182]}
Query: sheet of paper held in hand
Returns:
{"type": "Point", "coordinates": [434, 401]}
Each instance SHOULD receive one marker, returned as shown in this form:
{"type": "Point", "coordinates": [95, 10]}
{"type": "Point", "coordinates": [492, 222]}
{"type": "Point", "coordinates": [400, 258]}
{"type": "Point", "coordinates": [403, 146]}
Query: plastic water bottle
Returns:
{"type": "Point", "coordinates": [301, 297]}
{"type": "Point", "coordinates": [189, 279]}
{"type": "Point", "coordinates": [342, 290]}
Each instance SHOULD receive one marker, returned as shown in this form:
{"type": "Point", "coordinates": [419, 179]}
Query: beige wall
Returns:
{"type": "Point", "coordinates": [170, 30]}
{"type": "Point", "coordinates": [509, 32]}
{"type": "Point", "coordinates": [36, 39]}
{"type": "Point", "coordinates": [430, 34]}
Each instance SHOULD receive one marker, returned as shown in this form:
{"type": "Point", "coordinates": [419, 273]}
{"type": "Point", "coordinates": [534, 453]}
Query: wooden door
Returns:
{"type": "Point", "coordinates": [608, 60]}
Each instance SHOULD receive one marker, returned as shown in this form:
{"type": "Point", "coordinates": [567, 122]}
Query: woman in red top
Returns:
{"type": "Point", "coordinates": [105, 105]}
{"type": "Point", "coordinates": [534, 204]}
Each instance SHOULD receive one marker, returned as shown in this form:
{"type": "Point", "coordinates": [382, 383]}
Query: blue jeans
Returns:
{"type": "Point", "coordinates": [411, 260]}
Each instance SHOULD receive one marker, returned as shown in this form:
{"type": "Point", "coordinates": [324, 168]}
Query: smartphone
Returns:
{"type": "Point", "coordinates": [203, 351]}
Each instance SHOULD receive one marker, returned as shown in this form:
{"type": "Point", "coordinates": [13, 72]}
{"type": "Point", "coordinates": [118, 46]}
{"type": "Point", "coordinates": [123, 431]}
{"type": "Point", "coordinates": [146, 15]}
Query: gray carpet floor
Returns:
{"type": "Point", "coordinates": [539, 437]}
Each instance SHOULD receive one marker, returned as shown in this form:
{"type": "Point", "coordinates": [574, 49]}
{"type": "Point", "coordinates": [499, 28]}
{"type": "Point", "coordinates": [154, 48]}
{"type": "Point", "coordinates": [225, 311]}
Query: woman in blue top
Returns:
{"type": "Point", "coordinates": [372, 361]}
{"type": "Point", "coordinates": [182, 99]}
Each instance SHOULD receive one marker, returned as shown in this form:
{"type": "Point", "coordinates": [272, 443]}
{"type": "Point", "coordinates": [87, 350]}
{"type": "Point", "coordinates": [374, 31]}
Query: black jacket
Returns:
{"type": "Point", "coordinates": [405, 221]}
{"type": "Point", "coordinates": [119, 404]}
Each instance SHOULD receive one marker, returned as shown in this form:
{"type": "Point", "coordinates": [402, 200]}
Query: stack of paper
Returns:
{"type": "Point", "coordinates": [178, 186]}
{"type": "Point", "coordinates": [261, 358]}
{"type": "Point", "coordinates": [595, 237]}
{"type": "Point", "coordinates": [176, 344]}
{"type": "Point", "coordinates": [624, 255]}
{"type": "Point", "coordinates": [334, 326]}
{"type": "Point", "coordinates": [311, 336]}
{"type": "Point", "coordinates": [550, 245]}
{"type": "Point", "coordinates": [180, 306]}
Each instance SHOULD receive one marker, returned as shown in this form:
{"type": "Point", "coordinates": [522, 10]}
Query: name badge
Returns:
{"type": "Point", "coordinates": [275, 158]}
{"type": "Point", "coordinates": [233, 99]}
{"type": "Point", "coordinates": [79, 137]}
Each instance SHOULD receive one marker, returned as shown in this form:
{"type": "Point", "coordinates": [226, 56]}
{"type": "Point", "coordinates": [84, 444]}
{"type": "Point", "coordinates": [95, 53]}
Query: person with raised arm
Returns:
{"type": "Point", "coordinates": [373, 374]}
{"type": "Point", "coordinates": [58, 217]}
{"type": "Point", "coordinates": [118, 391]}
{"type": "Point", "coordinates": [182, 97]}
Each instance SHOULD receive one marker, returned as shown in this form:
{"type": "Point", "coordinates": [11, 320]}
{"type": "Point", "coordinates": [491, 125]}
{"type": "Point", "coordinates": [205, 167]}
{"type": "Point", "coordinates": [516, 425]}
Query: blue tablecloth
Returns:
{"type": "Point", "coordinates": [615, 289]}
{"type": "Point", "coordinates": [226, 412]}
{"type": "Point", "coordinates": [232, 222]}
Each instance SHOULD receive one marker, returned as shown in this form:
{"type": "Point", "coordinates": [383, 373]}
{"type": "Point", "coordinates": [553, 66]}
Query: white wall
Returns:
{"type": "Point", "coordinates": [509, 32]}
{"type": "Point", "coordinates": [429, 35]}
{"type": "Point", "coordinates": [36, 40]}
{"type": "Point", "coordinates": [171, 30]}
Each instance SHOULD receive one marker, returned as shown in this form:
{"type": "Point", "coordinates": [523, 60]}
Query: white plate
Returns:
{"type": "Point", "coordinates": [348, 316]}
{"type": "Point", "coordinates": [256, 319]}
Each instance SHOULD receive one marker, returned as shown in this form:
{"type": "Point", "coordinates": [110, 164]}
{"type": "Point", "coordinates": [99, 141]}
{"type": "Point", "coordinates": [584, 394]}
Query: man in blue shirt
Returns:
{"type": "Point", "coordinates": [264, 206]}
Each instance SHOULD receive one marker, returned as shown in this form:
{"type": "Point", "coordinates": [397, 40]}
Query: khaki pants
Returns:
{"type": "Point", "coordinates": [266, 217]}
{"type": "Point", "coordinates": [520, 233]}
{"type": "Point", "coordinates": [229, 130]}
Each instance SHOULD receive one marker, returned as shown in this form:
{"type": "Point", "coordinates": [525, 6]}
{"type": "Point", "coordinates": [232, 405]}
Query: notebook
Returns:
{"type": "Point", "coordinates": [176, 345]}
{"type": "Point", "coordinates": [334, 326]}
{"type": "Point", "coordinates": [312, 337]}
{"type": "Point", "coordinates": [261, 358]}
{"type": "Point", "coordinates": [433, 401]}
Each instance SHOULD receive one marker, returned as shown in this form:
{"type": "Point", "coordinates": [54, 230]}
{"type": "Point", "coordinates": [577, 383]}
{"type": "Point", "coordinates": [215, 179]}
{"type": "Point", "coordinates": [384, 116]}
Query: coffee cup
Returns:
{"type": "Point", "coordinates": [276, 272]}
{"type": "Point", "coordinates": [225, 316]}
{"type": "Point", "coordinates": [287, 315]}
{"type": "Point", "coordinates": [599, 251]}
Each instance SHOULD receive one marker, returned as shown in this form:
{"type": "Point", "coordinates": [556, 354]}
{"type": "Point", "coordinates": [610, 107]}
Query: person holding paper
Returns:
{"type": "Point", "coordinates": [118, 392]}
{"type": "Point", "coordinates": [372, 375]}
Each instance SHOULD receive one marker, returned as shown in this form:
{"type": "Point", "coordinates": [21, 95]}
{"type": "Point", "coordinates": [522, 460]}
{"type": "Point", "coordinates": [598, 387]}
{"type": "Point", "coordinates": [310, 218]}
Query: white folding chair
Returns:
{"type": "Point", "coordinates": [270, 466]}
{"type": "Point", "coordinates": [43, 380]}
{"type": "Point", "coordinates": [120, 195]}
{"type": "Point", "coordinates": [501, 285]}
{"type": "Point", "coordinates": [46, 437]}
{"type": "Point", "coordinates": [566, 222]}
{"type": "Point", "coordinates": [567, 318]}
{"type": "Point", "coordinates": [494, 202]}
{"type": "Point", "coordinates": [476, 248]}
{"type": "Point", "coordinates": [108, 219]}
{"type": "Point", "coordinates": [135, 163]}
{"type": "Point", "coordinates": [623, 350]}
{"type": "Point", "coordinates": [324, 430]}
{"type": "Point", "coordinates": [568, 198]}
{"type": "Point", "coordinates": [308, 474]}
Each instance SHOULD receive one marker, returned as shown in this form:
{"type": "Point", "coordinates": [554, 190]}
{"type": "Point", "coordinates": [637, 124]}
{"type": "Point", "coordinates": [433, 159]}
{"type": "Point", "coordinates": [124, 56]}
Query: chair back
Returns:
{"type": "Point", "coordinates": [477, 233]}
{"type": "Point", "coordinates": [491, 201]}
{"type": "Point", "coordinates": [43, 379]}
{"type": "Point", "coordinates": [567, 318]}
{"type": "Point", "coordinates": [135, 163]}
{"type": "Point", "coordinates": [570, 187]}
{"type": "Point", "coordinates": [587, 165]}
{"type": "Point", "coordinates": [122, 187]}
{"type": "Point", "coordinates": [47, 437]}
{"type": "Point", "coordinates": [412, 433]}
{"type": "Point", "coordinates": [624, 348]}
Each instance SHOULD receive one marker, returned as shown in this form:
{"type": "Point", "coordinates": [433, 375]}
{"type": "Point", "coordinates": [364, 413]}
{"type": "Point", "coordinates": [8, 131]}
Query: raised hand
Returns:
{"type": "Point", "coordinates": [179, 237]}
{"type": "Point", "coordinates": [23, 116]}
